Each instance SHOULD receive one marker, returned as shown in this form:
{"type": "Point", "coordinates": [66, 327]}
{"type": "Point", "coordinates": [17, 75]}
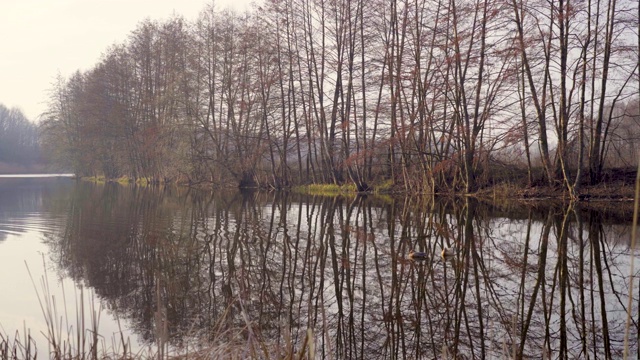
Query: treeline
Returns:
{"type": "Point", "coordinates": [431, 95]}
{"type": "Point", "coordinates": [18, 141]}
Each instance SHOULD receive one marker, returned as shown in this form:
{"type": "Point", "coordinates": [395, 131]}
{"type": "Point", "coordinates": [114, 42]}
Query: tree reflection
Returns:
{"type": "Point", "coordinates": [226, 269]}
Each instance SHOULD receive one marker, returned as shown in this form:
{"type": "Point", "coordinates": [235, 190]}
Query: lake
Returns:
{"type": "Point", "coordinates": [173, 270]}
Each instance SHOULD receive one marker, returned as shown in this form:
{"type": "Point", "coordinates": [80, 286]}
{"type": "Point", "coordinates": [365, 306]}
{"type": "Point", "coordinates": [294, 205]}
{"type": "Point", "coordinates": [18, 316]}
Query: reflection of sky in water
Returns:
{"type": "Point", "coordinates": [23, 225]}
{"type": "Point", "coordinates": [19, 304]}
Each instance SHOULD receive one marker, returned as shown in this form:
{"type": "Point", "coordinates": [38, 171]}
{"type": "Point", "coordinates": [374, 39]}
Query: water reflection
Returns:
{"type": "Point", "coordinates": [225, 268]}
{"type": "Point", "coordinates": [20, 201]}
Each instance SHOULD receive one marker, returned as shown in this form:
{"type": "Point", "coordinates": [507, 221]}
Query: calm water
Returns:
{"type": "Point", "coordinates": [228, 269]}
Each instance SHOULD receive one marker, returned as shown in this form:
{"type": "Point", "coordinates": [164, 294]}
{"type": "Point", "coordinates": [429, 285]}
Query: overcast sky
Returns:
{"type": "Point", "coordinates": [41, 38]}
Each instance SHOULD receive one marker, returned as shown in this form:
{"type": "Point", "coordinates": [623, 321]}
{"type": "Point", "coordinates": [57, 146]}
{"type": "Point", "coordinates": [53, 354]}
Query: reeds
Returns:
{"type": "Point", "coordinates": [20, 347]}
{"type": "Point", "coordinates": [71, 332]}
{"type": "Point", "coordinates": [247, 342]}
{"type": "Point", "coordinates": [75, 334]}
{"type": "Point", "coordinates": [636, 206]}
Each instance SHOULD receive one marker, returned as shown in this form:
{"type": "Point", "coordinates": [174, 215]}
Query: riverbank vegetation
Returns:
{"type": "Point", "coordinates": [432, 96]}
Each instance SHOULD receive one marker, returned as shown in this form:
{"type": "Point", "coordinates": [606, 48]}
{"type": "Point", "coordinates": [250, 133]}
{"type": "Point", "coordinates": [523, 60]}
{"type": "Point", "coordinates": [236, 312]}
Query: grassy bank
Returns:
{"type": "Point", "coordinates": [617, 185]}
{"type": "Point", "coordinates": [611, 191]}
{"type": "Point", "coordinates": [326, 189]}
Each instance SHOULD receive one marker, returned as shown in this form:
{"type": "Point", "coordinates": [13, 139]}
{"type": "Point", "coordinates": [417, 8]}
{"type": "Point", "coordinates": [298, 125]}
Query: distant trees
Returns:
{"type": "Point", "coordinates": [18, 138]}
{"type": "Point", "coordinates": [427, 94]}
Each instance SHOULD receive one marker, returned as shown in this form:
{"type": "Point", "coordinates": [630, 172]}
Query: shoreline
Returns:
{"type": "Point", "coordinates": [616, 191]}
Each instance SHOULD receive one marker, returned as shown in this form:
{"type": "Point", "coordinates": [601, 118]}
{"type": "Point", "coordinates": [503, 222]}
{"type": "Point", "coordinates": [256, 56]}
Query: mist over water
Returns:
{"type": "Point", "coordinates": [220, 268]}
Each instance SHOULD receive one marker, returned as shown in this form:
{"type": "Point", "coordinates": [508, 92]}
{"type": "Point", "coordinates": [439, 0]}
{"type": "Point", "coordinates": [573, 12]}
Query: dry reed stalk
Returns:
{"type": "Point", "coordinates": [633, 252]}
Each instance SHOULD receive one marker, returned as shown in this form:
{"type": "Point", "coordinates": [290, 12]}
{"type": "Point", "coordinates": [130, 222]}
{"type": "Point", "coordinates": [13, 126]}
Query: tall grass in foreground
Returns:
{"type": "Point", "coordinates": [20, 347]}
{"type": "Point", "coordinates": [80, 338]}
{"type": "Point", "coordinates": [71, 333]}
{"type": "Point", "coordinates": [74, 333]}
{"type": "Point", "coordinates": [244, 342]}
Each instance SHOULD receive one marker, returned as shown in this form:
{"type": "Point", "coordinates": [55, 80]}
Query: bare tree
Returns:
{"type": "Point", "coordinates": [422, 94]}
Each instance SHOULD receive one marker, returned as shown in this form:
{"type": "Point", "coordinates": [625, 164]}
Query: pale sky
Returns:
{"type": "Point", "coordinates": [41, 38]}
